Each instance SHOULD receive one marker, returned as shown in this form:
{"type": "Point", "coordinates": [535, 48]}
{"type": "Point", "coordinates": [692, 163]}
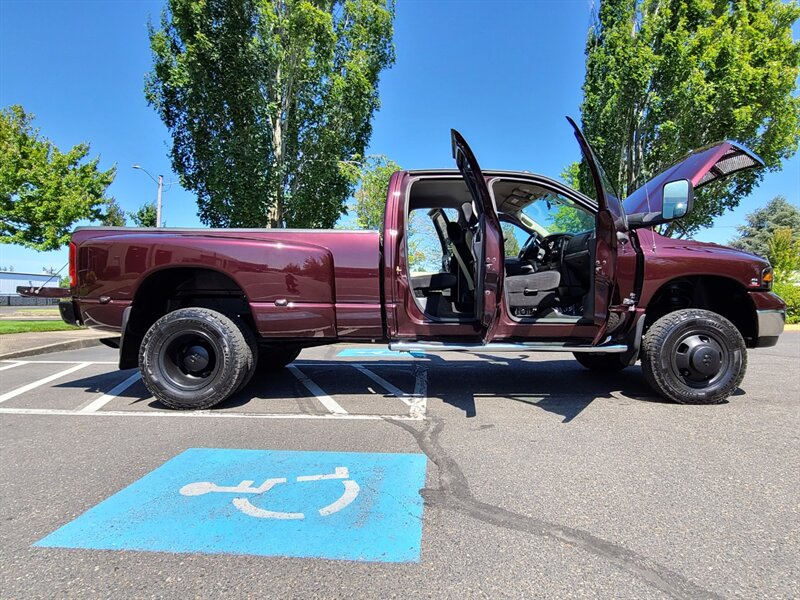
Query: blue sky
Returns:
{"type": "Point", "coordinates": [503, 73]}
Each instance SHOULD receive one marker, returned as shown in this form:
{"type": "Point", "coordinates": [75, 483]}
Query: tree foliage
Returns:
{"type": "Point", "coordinates": [510, 242]}
{"type": "Point", "coordinates": [372, 179]}
{"type": "Point", "coordinates": [666, 76]}
{"type": "Point", "coordinates": [265, 100]}
{"type": "Point", "coordinates": [43, 191]}
{"type": "Point", "coordinates": [568, 219]}
{"type": "Point", "coordinates": [784, 254]}
{"type": "Point", "coordinates": [145, 216]}
{"type": "Point", "coordinates": [115, 216]}
{"type": "Point", "coordinates": [755, 235]}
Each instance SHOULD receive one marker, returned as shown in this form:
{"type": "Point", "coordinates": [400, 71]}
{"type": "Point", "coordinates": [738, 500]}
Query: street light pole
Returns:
{"type": "Point", "coordinates": [160, 183]}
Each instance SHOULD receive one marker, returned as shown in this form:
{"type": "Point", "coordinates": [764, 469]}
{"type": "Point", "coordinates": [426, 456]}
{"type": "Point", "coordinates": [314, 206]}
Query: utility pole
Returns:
{"type": "Point", "coordinates": [158, 206]}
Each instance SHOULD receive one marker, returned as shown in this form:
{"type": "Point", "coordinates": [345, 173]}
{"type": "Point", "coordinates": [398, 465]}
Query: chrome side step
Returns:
{"type": "Point", "coordinates": [503, 347]}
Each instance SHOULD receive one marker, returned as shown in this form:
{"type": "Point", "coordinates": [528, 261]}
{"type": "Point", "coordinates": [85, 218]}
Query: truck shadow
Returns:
{"type": "Point", "coordinates": [561, 387]}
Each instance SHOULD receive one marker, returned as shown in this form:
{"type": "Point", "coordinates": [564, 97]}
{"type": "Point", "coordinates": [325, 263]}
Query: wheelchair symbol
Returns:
{"type": "Point", "coordinates": [351, 489]}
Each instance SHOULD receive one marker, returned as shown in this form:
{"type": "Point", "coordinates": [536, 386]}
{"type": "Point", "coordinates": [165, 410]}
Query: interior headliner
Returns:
{"type": "Point", "coordinates": [509, 196]}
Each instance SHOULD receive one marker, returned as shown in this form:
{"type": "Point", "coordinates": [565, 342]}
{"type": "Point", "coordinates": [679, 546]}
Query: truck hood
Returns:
{"type": "Point", "coordinates": [700, 167]}
{"type": "Point", "coordinates": [701, 247]}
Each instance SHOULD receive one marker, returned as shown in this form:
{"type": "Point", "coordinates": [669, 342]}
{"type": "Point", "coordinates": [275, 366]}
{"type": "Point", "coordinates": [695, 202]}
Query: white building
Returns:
{"type": "Point", "coordinates": [9, 280]}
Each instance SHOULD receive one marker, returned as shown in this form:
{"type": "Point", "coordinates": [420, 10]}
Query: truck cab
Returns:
{"type": "Point", "coordinates": [592, 276]}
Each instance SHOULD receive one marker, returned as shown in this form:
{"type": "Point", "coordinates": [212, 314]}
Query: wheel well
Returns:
{"type": "Point", "coordinates": [174, 288]}
{"type": "Point", "coordinates": [717, 294]}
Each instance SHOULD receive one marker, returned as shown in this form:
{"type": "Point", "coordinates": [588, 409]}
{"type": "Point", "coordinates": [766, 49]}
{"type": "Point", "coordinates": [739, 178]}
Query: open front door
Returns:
{"type": "Point", "coordinates": [610, 228]}
{"type": "Point", "coordinates": [487, 246]}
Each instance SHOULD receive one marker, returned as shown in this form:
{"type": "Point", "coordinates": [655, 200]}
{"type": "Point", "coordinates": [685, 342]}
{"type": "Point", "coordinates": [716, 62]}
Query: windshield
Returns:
{"type": "Point", "coordinates": [555, 214]}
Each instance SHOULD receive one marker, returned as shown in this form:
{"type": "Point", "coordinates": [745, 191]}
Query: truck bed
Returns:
{"type": "Point", "coordinates": [297, 283]}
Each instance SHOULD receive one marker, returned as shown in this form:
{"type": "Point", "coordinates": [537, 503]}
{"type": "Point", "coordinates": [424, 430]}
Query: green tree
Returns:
{"type": "Point", "coordinates": [44, 191]}
{"type": "Point", "coordinates": [784, 254]}
{"type": "Point", "coordinates": [372, 178]}
{"type": "Point", "coordinates": [510, 242]}
{"type": "Point", "coordinates": [755, 235]}
{"type": "Point", "coordinates": [265, 99]}
{"type": "Point", "coordinates": [568, 219]}
{"type": "Point", "coordinates": [115, 216]}
{"type": "Point", "coordinates": [145, 216]}
{"type": "Point", "coordinates": [666, 76]}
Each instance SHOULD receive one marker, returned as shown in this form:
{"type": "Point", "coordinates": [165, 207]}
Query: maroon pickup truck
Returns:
{"type": "Point", "coordinates": [199, 310]}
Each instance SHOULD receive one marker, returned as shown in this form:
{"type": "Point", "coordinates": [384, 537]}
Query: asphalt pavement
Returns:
{"type": "Point", "coordinates": [541, 479]}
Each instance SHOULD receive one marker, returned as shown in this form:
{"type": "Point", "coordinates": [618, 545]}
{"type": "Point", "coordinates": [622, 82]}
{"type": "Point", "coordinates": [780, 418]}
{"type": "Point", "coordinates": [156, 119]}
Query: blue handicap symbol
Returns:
{"type": "Point", "coordinates": [337, 505]}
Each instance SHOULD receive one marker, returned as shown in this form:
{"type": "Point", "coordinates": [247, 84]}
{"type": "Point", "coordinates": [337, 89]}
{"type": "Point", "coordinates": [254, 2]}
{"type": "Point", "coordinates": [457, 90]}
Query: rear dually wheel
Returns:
{"type": "Point", "coordinates": [194, 358]}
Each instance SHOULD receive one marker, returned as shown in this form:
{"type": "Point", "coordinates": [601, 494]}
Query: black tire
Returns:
{"type": "Point", "coordinates": [194, 358]}
{"type": "Point", "coordinates": [274, 359]}
{"type": "Point", "coordinates": [694, 356]}
{"type": "Point", "coordinates": [606, 363]}
{"type": "Point", "coordinates": [252, 343]}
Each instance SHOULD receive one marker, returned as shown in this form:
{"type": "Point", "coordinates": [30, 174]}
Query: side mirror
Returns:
{"type": "Point", "coordinates": [677, 199]}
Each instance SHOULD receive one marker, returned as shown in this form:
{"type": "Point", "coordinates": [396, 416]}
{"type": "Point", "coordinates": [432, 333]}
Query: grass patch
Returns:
{"type": "Point", "coordinates": [9, 326]}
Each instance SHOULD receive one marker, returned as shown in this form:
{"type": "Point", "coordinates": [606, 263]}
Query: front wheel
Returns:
{"type": "Point", "coordinates": [194, 358]}
{"type": "Point", "coordinates": [694, 356]}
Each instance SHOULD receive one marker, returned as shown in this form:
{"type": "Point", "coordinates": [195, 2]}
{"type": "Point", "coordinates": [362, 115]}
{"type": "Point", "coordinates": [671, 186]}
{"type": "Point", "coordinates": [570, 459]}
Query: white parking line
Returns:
{"type": "Point", "coordinates": [12, 365]}
{"type": "Point", "coordinates": [419, 406]}
{"type": "Point", "coordinates": [203, 414]}
{"type": "Point", "coordinates": [112, 393]}
{"type": "Point", "coordinates": [393, 390]}
{"type": "Point", "coordinates": [40, 382]}
{"type": "Point", "coordinates": [416, 402]}
{"type": "Point", "coordinates": [62, 362]}
{"type": "Point", "coordinates": [326, 401]}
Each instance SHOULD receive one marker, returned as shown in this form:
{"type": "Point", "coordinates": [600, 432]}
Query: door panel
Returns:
{"type": "Point", "coordinates": [487, 244]}
{"type": "Point", "coordinates": [610, 222]}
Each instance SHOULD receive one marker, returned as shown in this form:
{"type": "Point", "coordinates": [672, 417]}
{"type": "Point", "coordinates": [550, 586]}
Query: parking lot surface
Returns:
{"type": "Point", "coordinates": [541, 479]}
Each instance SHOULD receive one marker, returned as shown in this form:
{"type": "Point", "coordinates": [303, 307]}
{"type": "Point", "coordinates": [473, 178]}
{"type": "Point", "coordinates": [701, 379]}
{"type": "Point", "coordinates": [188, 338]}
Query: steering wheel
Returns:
{"type": "Point", "coordinates": [554, 243]}
{"type": "Point", "coordinates": [530, 249]}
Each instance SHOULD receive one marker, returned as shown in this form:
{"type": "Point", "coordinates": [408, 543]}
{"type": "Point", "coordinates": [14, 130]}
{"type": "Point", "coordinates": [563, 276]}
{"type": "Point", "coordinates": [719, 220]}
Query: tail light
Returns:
{"type": "Point", "coordinates": [73, 267]}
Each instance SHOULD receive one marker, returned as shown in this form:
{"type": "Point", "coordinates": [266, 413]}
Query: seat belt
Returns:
{"type": "Point", "coordinates": [462, 265]}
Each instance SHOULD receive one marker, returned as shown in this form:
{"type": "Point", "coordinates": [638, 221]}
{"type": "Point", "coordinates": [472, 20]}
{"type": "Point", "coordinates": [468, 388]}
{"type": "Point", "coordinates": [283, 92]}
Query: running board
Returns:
{"type": "Point", "coordinates": [503, 347]}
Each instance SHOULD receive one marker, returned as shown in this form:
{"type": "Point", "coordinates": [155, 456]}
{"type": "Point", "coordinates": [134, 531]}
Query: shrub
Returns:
{"type": "Point", "coordinates": [790, 293]}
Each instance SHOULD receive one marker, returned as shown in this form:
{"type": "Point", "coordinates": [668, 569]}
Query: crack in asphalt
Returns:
{"type": "Point", "coordinates": [454, 493]}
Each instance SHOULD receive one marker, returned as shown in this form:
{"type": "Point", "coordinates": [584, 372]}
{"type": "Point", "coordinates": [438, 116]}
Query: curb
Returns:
{"type": "Point", "coordinates": [57, 347]}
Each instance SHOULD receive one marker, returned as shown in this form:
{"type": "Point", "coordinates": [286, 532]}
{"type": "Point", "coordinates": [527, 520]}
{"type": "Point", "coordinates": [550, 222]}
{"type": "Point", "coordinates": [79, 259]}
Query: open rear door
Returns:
{"type": "Point", "coordinates": [610, 226]}
{"type": "Point", "coordinates": [488, 242]}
